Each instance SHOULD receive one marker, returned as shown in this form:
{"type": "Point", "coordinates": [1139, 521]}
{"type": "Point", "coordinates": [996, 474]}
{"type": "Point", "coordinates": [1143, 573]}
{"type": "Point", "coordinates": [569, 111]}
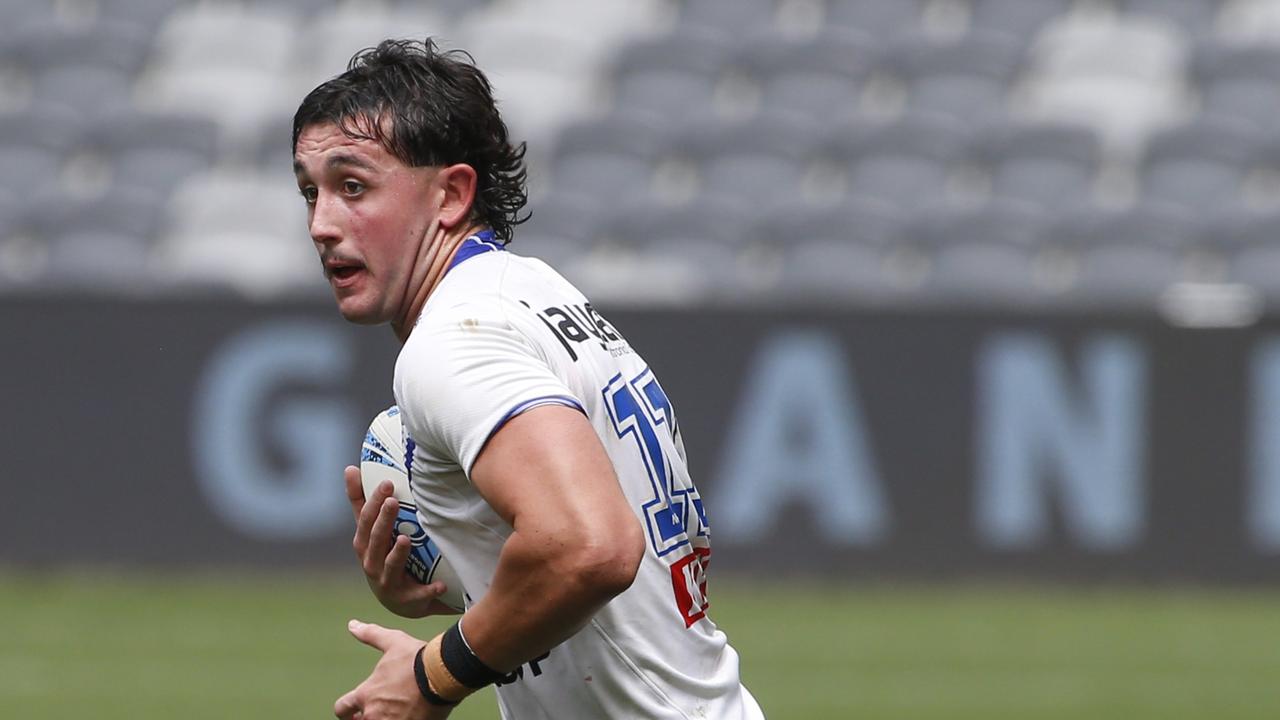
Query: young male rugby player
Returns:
{"type": "Point", "coordinates": [544, 457]}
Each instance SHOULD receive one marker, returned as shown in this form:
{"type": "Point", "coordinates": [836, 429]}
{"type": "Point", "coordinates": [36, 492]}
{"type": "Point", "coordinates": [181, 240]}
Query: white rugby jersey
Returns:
{"type": "Point", "coordinates": [500, 335]}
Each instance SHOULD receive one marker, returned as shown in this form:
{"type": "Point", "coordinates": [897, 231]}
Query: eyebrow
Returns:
{"type": "Point", "coordinates": [339, 160]}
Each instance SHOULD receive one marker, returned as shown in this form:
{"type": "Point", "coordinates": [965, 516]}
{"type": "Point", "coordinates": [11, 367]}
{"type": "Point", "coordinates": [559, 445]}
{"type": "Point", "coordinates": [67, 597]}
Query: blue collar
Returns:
{"type": "Point", "coordinates": [477, 244]}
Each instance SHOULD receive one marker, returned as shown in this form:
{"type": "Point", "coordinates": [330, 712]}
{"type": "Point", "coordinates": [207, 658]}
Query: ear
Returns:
{"type": "Point", "coordinates": [458, 183]}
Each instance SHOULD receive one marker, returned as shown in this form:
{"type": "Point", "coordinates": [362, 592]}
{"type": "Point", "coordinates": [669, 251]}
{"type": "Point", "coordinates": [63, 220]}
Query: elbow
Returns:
{"type": "Point", "coordinates": [608, 562]}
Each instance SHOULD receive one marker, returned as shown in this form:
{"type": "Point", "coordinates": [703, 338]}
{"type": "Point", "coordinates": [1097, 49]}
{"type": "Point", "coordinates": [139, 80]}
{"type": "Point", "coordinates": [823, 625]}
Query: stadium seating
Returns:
{"type": "Point", "coordinates": [153, 153]}
{"type": "Point", "coordinates": [222, 61]}
{"type": "Point", "coordinates": [327, 42]}
{"type": "Point", "coordinates": [1125, 259]}
{"type": "Point", "coordinates": [1123, 77]}
{"type": "Point", "coordinates": [1016, 18]}
{"type": "Point", "coordinates": [965, 79]}
{"type": "Point", "coordinates": [756, 162]}
{"type": "Point", "coordinates": [987, 255]}
{"type": "Point", "coordinates": [881, 18]}
{"type": "Point", "coordinates": [1201, 166]}
{"type": "Point", "coordinates": [907, 163]}
{"type": "Point", "coordinates": [240, 229]}
{"type": "Point", "coordinates": [1041, 164]}
{"type": "Point", "coordinates": [821, 75]}
{"type": "Point", "coordinates": [844, 252]}
{"type": "Point", "coordinates": [1237, 82]}
{"type": "Point", "coordinates": [861, 151]}
{"type": "Point", "coordinates": [1195, 17]}
{"type": "Point", "coordinates": [609, 157]}
{"type": "Point", "coordinates": [735, 16]}
{"type": "Point", "coordinates": [1250, 21]}
{"type": "Point", "coordinates": [84, 68]}
{"type": "Point", "coordinates": [1252, 243]}
{"type": "Point", "coordinates": [34, 145]}
{"type": "Point", "coordinates": [103, 243]}
{"type": "Point", "coordinates": [146, 15]}
{"type": "Point", "coordinates": [672, 76]}
{"type": "Point", "coordinates": [561, 228]}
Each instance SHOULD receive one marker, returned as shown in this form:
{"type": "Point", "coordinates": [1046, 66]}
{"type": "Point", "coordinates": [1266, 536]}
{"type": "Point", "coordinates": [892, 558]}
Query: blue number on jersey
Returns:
{"type": "Point", "coordinates": [637, 408]}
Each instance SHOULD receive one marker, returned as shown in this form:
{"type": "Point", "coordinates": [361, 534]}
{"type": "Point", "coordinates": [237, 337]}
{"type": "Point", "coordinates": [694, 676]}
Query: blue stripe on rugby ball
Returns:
{"type": "Point", "coordinates": [423, 553]}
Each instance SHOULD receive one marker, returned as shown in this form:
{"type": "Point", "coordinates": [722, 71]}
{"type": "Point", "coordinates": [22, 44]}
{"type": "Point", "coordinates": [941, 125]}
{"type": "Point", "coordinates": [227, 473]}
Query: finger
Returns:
{"type": "Point", "coordinates": [375, 636]}
{"type": "Point", "coordinates": [369, 513]}
{"type": "Point", "coordinates": [397, 560]}
{"type": "Point", "coordinates": [381, 536]}
{"type": "Point", "coordinates": [348, 706]}
{"type": "Point", "coordinates": [355, 490]}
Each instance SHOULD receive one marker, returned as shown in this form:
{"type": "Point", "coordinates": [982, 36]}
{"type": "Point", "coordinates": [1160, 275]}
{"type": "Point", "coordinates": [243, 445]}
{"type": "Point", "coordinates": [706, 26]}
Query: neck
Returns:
{"type": "Point", "coordinates": [430, 263]}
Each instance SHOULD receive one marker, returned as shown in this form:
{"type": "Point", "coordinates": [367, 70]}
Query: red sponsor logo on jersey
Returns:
{"type": "Point", "coordinates": [689, 580]}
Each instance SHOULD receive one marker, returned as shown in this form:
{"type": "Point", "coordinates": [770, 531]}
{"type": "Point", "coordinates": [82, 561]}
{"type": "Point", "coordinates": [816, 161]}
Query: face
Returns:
{"type": "Point", "coordinates": [368, 213]}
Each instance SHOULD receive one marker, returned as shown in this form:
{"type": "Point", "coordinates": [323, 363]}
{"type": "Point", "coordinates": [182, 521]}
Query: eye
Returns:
{"type": "Point", "coordinates": [352, 187]}
{"type": "Point", "coordinates": [309, 194]}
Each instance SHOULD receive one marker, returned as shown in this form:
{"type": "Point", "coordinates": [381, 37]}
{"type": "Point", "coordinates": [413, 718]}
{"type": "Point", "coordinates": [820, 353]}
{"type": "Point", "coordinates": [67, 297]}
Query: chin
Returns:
{"type": "Point", "coordinates": [359, 313]}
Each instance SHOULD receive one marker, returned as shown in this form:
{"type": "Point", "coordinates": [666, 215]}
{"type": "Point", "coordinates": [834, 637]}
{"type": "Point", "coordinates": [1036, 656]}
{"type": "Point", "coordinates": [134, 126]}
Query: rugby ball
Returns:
{"type": "Point", "coordinates": [383, 458]}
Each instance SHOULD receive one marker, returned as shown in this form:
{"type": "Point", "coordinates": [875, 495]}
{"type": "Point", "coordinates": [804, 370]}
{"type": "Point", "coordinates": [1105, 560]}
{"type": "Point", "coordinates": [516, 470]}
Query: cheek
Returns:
{"type": "Point", "coordinates": [383, 245]}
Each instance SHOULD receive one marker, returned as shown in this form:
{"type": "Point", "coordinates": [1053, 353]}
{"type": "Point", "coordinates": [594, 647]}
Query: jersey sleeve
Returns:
{"type": "Point", "coordinates": [460, 382]}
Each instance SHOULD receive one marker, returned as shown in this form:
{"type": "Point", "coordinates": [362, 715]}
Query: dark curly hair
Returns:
{"type": "Point", "coordinates": [441, 112]}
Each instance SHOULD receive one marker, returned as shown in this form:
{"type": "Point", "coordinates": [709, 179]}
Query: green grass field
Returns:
{"type": "Point", "coordinates": [240, 647]}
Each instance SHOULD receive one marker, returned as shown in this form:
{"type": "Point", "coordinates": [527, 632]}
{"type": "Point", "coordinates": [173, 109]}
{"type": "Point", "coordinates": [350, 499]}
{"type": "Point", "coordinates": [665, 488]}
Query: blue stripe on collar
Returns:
{"type": "Point", "coordinates": [477, 244]}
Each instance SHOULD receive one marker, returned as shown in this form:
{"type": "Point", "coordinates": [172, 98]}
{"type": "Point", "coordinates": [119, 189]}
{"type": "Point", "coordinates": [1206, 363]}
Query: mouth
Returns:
{"type": "Point", "coordinates": [342, 273]}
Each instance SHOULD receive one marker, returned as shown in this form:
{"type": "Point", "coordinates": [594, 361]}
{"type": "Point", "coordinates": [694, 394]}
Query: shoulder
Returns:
{"type": "Point", "coordinates": [447, 340]}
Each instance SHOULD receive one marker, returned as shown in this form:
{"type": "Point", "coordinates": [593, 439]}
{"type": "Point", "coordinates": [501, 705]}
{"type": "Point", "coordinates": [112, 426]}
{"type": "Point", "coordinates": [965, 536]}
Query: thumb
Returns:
{"type": "Point", "coordinates": [375, 636]}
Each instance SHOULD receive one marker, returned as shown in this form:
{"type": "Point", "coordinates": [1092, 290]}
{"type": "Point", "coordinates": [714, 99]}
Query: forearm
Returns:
{"type": "Point", "coordinates": [544, 590]}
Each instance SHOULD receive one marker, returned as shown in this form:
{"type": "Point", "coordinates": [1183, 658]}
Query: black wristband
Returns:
{"type": "Point", "coordinates": [463, 664]}
{"type": "Point", "coordinates": [424, 687]}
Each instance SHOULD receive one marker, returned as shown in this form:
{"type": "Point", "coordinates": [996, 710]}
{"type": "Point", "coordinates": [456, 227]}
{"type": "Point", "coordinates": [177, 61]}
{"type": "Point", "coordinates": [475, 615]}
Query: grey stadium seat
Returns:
{"type": "Point", "coordinates": [882, 18]}
{"type": "Point", "coordinates": [1259, 267]}
{"type": "Point", "coordinates": [271, 147]}
{"type": "Point", "coordinates": [147, 15]}
{"type": "Point", "coordinates": [304, 9]}
{"type": "Point", "coordinates": [609, 157]}
{"type": "Point", "coordinates": [1044, 164]}
{"type": "Point", "coordinates": [1253, 246]}
{"type": "Point", "coordinates": [862, 222]}
{"type": "Point", "coordinates": [101, 243]}
{"type": "Point", "coordinates": [967, 78]}
{"type": "Point", "coordinates": [759, 161]}
{"type": "Point", "coordinates": [821, 75]}
{"type": "Point", "coordinates": [1246, 229]}
{"type": "Point", "coordinates": [561, 228]}
{"type": "Point", "coordinates": [89, 68]}
{"type": "Point", "coordinates": [905, 163]}
{"type": "Point", "coordinates": [983, 256]}
{"type": "Point", "coordinates": [9, 213]}
{"type": "Point", "coordinates": [716, 226]}
{"type": "Point", "coordinates": [691, 249]}
{"type": "Point", "coordinates": [21, 14]}
{"type": "Point", "coordinates": [729, 15]}
{"type": "Point", "coordinates": [154, 153]}
{"type": "Point", "coordinates": [1200, 165]}
{"type": "Point", "coordinates": [1126, 258]}
{"type": "Point", "coordinates": [33, 149]}
{"type": "Point", "coordinates": [1195, 17]}
{"type": "Point", "coordinates": [110, 43]}
{"type": "Point", "coordinates": [1019, 18]}
{"type": "Point", "coordinates": [673, 76]}
{"type": "Point", "coordinates": [1238, 82]}
{"type": "Point", "coordinates": [836, 253]}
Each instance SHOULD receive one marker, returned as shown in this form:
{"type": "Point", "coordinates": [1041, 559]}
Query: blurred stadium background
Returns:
{"type": "Point", "coordinates": [969, 307]}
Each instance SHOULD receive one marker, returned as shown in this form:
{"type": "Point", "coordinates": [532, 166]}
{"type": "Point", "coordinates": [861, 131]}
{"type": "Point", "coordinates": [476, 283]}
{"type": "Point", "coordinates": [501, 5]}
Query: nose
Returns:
{"type": "Point", "coordinates": [324, 222]}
